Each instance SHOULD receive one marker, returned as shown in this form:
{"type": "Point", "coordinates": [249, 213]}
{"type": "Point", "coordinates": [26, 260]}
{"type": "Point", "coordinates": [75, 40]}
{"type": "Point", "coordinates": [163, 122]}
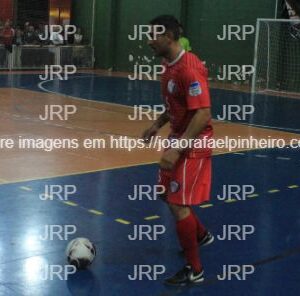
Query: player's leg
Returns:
{"type": "Point", "coordinates": [201, 230]}
{"type": "Point", "coordinates": [199, 193]}
{"type": "Point", "coordinates": [196, 190]}
{"type": "Point", "coordinates": [186, 228]}
{"type": "Point", "coordinates": [204, 237]}
{"type": "Point", "coordinates": [189, 185]}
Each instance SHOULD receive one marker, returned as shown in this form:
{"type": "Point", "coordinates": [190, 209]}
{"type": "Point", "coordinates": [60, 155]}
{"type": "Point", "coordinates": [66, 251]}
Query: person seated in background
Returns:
{"type": "Point", "coordinates": [1, 28]}
{"type": "Point", "coordinates": [78, 37]}
{"type": "Point", "coordinates": [56, 38]}
{"type": "Point", "coordinates": [7, 36]}
{"type": "Point", "coordinates": [30, 37]}
{"type": "Point", "coordinates": [26, 27]}
{"type": "Point", "coordinates": [19, 37]}
{"type": "Point", "coordinates": [293, 10]}
{"type": "Point", "coordinates": [40, 33]}
{"type": "Point", "coordinates": [184, 42]}
{"type": "Point", "coordinates": [293, 7]}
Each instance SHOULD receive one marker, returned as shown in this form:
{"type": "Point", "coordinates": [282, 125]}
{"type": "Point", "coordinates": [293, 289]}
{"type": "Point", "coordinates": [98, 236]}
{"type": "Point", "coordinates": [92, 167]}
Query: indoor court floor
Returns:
{"type": "Point", "coordinates": [102, 212]}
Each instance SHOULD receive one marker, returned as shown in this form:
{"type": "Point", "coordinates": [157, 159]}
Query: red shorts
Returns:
{"type": "Point", "coordinates": [189, 183]}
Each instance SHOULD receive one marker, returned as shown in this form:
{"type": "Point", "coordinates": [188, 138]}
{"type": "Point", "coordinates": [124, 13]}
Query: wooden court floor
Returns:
{"type": "Point", "coordinates": [20, 111]}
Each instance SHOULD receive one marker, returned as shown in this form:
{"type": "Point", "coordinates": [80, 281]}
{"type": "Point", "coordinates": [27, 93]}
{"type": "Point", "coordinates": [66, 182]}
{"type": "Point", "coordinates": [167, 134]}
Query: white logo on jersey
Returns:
{"type": "Point", "coordinates": [171, 86]}
{"type": "Point", "coordinates": [174, 186]}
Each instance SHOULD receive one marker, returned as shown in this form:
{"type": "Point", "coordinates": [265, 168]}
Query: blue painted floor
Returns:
{"type": "Point", "coordinates": [274, 248]}
{"type": "Point", "coordinates": [274, 211]}
{"type": "Point", "coordinates": [270, 111]}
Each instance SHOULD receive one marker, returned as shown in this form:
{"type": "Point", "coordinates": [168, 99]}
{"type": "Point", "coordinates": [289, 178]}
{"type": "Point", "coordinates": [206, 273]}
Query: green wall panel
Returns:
{"type": "Point", "coordinates": [82, 17]}
{"type": "Point", "coordinates": [137, 12]}
{"type": "Point", "coordinates": [203, 20]}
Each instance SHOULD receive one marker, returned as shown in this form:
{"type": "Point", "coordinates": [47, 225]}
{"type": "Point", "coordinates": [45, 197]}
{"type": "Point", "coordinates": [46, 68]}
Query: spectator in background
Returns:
{"type": "Point", "coordinates": [293, 10]}
{"type": "Point", "coordinates": [26, 27]}
{"type": "Point", "coordinates": [1, 28]}
{"type": "Point", "coordinates": [184, 42]}
{"type": "Point", "coordinates": [30, 37]}
{"type": "Point", "coordinates": [56, 38]}
{"type": "Point", "coordinates": [19, 37]}
{"type": "Point", "coordinates": [293, 7]}
{"type": "Point", "coordinates": [7, 36]}
{"type": "Point", "coordinates": [78, 37]}
{"type": "Point", "coordinates": [40, 33]}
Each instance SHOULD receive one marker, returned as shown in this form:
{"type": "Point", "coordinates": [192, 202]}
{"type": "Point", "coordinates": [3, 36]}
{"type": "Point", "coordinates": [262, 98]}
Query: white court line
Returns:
{"type": "Point", "coordinates": [283, 158]}
{"type": "Point", "coordinates": [41, 87]}
{"type": "Point", "coordinates": [272, 127]}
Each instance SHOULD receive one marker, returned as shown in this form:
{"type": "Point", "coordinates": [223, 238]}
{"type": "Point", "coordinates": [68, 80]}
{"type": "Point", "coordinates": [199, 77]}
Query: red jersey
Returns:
{"type": "Point", "coordinates": [185, 89]}
{"type": "Point", "coordinates": [7, 36]}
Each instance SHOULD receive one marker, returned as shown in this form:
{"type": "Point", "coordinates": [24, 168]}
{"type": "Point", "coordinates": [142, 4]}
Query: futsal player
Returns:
{"type": "Point", "coordinates": [184, 173]}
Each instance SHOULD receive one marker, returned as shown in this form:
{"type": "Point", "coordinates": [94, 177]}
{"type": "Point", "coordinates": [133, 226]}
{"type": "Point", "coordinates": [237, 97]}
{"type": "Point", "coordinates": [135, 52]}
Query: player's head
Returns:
{"type": "Point", "coordinates": [162, 43]}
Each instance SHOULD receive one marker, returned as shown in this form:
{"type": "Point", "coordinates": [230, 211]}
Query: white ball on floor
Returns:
{"type": "Point", "coordinates": [80, 252]}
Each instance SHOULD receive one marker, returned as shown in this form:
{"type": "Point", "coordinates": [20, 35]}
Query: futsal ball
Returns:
{"type": "Point", "coordinates": [80, 252]}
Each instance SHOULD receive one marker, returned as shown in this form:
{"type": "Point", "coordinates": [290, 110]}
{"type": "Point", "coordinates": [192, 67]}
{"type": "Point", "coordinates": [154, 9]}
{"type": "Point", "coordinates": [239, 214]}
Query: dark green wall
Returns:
{"type": "Point", "coordinates": [105, 36]}
{"type": "Point", "coordinates": [81, 15]}
{"type": "Point", "coordinates": [135, 12]}
{"type": "Point", "coordinates": [203, 20]}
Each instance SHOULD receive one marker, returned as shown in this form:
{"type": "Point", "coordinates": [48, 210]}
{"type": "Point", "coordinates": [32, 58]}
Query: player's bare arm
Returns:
{"type": "Point", "coordinates": [195, 127]}
{"type": "Point", "coordinates": [197, 124]}
{"type": "Point", "coordinates": [162, 120]}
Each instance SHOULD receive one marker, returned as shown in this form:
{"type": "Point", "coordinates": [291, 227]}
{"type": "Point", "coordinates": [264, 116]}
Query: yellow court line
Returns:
{"type": "Point", "coordinates": [95, 212]}
{"type": "Point", "coordinates": [230, 200]}
{"type": "Point", "coordinates": [206, 206]}
{"type": "Point", "coordinates": [152, 218]}
{"type": "Point", "coordinates": [293, 186]}
{"type": "Point", "coordinates": [122, 221]}
{"type": "Point", "coordinates": [70, 203]}
{"type": "Point", "coordinates": [125, 166]}
{"type": "Point", "coordinates": [273, 190]}
{"type": "Point", "coordinates": [78, 173]}
{"type": "Point", "coordinates": [252, 195]}
{"type": "Point", "coordinates": [26, 188]}
{"type": "Point", "coordinates": [108, 169]}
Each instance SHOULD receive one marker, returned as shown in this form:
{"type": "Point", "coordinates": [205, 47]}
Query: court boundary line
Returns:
{"type": "Point", "coordinates": [119, 75]}
{"type": "Point", "coordinates": [40, 86]}
{"type": "Point", "coordinates": [117, 168]}
{"type": "Point", "coordinates": [285, 129]}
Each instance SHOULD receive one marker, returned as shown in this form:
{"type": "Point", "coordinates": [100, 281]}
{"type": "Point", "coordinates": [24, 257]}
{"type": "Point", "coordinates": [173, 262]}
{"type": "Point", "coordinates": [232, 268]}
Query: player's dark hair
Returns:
{"type": "Point", "coordinates": [170, 23]}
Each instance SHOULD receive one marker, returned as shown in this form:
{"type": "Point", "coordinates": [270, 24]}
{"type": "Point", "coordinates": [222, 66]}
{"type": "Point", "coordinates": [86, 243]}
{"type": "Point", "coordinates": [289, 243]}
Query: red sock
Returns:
{"type": "Point", "coordinates": [187, 235]}
{"type": "Point", "coordinates": [201, 230]}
